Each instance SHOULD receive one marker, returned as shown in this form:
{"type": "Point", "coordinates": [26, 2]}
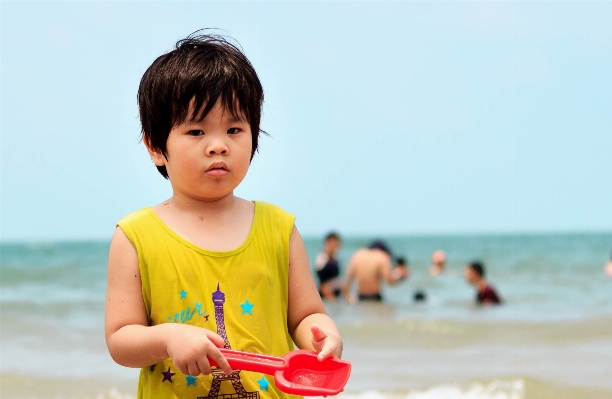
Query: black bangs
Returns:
{"type": "Point", "coordinates": [186, 83]}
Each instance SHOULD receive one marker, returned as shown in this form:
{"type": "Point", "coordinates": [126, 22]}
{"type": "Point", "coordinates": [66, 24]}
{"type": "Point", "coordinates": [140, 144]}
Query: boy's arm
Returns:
{"type": "Point", "coordinates": [308, 323]}
{"type": "Point", "coordinates": [130, 340]}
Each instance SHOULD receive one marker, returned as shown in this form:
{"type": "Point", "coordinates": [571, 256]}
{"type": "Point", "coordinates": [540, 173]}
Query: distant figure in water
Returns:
{"type": "Point", "coordinates": [475, 275]}
{"type": "Point", "coordinates": [401, 270]}
{"type": "Point", "coordinates": [328, 269]}
{"type": "Point", "coordinates": [438, 262]}
{"type": "Point", "coordinates": [419, 296]}
{"type": "Point", "coordinates": [370, 267]}
{"type": "Point", "coordinates": [608, 267]}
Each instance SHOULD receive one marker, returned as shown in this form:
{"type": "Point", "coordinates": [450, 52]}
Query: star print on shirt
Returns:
{"type": "Point", "coordinates": [247, 307]}
{"type": "Point", "coordinates": [206, 317]}
{"type": "Point", "coordinates": [263, 383]}
{"type": "Point", "coordinates": [167, 375]}
{"type": "Point", "coordinates": [191, 380]}
{"type": "Point", "coordinates": [183, 294]}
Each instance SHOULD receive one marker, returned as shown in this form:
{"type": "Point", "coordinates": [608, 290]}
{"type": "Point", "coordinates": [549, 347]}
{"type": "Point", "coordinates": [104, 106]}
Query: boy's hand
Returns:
{"type": "Point", "coordinates": [328, 345]}
{"type": "Point", "coordinates": [189, 347]}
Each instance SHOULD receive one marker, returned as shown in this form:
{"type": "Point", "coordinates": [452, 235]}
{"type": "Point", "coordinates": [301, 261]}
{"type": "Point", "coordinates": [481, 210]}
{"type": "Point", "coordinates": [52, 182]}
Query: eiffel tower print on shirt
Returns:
{"type": "Point", "coordinates": [218, 375]}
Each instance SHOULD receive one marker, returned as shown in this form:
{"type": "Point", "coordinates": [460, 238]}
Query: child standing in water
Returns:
{"type": "Point", "coordinates": [206, 269]}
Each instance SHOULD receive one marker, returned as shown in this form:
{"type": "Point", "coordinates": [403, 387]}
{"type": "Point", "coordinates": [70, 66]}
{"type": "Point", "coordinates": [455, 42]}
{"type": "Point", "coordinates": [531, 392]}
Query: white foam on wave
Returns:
{"type": "Point", "coordinates": [114, 394]}
{"type": "Point", "coordinates": [496, 389]}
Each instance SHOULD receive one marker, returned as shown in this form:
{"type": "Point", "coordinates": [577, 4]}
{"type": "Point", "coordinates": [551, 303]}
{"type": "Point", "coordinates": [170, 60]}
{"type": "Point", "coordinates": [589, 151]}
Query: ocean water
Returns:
{"type": "Point", "coordinates": [551, 339]}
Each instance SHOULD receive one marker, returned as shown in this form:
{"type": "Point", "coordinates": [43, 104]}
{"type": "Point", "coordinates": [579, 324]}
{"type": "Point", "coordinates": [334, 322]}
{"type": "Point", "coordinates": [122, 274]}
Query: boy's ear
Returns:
{"type": "Point", "coordinates": [156, 155]}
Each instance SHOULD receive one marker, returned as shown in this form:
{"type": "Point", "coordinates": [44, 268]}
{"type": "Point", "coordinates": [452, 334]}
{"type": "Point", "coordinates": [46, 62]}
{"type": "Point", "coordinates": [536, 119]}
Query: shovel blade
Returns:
{"type": "Point", "coordinates": [306, 375]}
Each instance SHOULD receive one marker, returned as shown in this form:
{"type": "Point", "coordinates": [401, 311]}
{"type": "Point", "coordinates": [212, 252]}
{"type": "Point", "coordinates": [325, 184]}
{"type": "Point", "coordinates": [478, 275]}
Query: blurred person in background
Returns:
{"type": "Point", "coordinates": [485, 293]}
{"type": "Point", "coordinates": [401, 270]}
{"type": "Point", "coordinates": [438, 263]}
{"type": "Point", "coordinates": [370, 267]}
{"type": "Point", "coordinates": [608, 267]}
{"type": "Point", "coordinates": [328, 268]}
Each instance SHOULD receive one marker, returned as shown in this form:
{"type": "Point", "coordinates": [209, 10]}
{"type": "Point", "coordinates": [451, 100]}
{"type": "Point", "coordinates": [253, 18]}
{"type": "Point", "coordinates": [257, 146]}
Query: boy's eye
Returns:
{"type": "Point", "coordinates": [196, 132]}
{"type": "Point", "coordinates": [233, 130]}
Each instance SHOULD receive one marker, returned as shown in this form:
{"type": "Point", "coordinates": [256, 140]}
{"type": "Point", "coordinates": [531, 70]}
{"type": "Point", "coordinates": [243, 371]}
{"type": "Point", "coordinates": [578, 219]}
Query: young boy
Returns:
{"type": "Point", "coordinates": [206, 269]}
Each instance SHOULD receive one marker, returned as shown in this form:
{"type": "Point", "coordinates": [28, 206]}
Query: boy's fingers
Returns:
{"type": "Point", "coordinates": [317, 333]}
{"type": "Point", "coordinates": [215, 339]}
{"type": "Point", "coordinates": [221, 361]}
{"type": "Point", "coordinates": [330, 349]}
{"type": "Point", "coordinates": [193, 369]}
{"type": "Point", "coordinates": [204, 366]}
{"type": "Point", "coordinates": [325, 353]}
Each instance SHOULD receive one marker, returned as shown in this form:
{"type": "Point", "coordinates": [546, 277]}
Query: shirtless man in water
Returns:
{"type": "Point", "coordinates": [371, 266]}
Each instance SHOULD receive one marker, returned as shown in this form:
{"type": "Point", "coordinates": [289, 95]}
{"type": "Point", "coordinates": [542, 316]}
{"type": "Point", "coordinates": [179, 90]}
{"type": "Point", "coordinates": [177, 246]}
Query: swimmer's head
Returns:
{"type": "Point", "coordinates": [332, 242]}
{"type": "Point", "coordinates": [401, 262]}
{"type": "Point", "coordinates": [186, 84]}
{"type": "Point", "coordinates": [438, 257]}
{"type": "Point", "coordinates": [332, 235]}
{"type": "Point", "coordinates": [379, 244]}
{"type": "Point", "coordinates": [419, 296]}
{"type": "Point", "coordinates": [474, 271]}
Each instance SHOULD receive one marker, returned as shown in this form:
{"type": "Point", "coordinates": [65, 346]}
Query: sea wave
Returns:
{"type": "Point", "coordinates": [498, 388]}
{"type": "Point", "coordinates": [19, 387]}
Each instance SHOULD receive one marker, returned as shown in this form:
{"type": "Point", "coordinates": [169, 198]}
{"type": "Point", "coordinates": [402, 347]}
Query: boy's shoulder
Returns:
{"type": "Point", "coordinates": [136, 216]}
{"type": "Point", "coordinates": [269, 209]}
{"type": "Point", "coordinates": [269, 206]}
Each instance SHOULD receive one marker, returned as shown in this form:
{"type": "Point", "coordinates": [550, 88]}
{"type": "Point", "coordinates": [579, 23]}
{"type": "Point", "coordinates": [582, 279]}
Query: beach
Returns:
{"type": "Point", "coordinates": [550, 339]}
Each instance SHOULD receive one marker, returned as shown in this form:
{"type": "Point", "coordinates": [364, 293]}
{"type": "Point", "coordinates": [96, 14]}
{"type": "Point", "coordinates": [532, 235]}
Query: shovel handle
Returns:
{"type": "Point", "coordinates": [252, 361]}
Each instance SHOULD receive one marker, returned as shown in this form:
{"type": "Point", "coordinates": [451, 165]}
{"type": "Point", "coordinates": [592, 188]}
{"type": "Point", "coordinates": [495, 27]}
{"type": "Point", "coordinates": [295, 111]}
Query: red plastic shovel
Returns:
{"type": "Point", "coordinates": [299, 372]}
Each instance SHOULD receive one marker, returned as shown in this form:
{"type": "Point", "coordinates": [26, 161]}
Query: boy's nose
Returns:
{"type": "Point", "coordinates": [217, 147]}
{"type": "Point", "coordinates": [213, 151]}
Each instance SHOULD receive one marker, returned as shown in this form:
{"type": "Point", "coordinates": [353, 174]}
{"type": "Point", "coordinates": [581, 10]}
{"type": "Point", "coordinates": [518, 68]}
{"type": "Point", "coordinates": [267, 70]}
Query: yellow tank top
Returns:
{"type": "Point", "coordinates": [240, 294]}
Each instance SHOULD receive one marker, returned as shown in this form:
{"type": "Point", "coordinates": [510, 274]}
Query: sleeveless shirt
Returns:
{"type": "Point", "coordinates": [240, 294]}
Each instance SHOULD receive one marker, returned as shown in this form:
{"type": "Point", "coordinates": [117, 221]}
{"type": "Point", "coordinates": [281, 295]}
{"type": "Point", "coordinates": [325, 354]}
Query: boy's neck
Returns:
{"type": "Point", "coordinates": [189, 205]}
{"type": "Point", "coordinates": [221, 225]}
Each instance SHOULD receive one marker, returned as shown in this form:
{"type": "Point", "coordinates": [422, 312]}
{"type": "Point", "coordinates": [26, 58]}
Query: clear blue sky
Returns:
{"type": "Point", "coordinates": [386, 117]}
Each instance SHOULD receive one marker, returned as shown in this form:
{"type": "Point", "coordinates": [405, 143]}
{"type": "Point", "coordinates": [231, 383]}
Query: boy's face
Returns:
{"type": "Point", "coordinates": [207, 160]}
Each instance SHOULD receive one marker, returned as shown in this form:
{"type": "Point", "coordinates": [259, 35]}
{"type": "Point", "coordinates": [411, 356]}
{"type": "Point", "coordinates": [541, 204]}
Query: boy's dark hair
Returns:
{"type": "Point", "coordinates": [332, 234]}
{"type": "Point", "coordinates": [201, 70]}
{"type": "Point", "coordinates": [478, 267]}
{"type": "Point", "coordinates": [401, 261]}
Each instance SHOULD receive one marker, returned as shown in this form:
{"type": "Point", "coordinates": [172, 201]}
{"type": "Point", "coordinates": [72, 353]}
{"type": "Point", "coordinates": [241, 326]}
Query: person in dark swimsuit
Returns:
{"type": "Point", "coordinates": [328, 268]}
{"type": "Point", "coordinates": [486, 294]}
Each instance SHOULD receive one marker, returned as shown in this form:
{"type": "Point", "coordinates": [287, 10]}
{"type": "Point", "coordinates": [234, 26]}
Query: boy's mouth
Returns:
{"type": "Point", "coordinates": [217, 169]}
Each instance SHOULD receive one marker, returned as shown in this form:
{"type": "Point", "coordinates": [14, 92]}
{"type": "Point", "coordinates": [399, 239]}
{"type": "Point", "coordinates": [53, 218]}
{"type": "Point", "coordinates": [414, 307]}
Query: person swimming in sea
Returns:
{"type": "Point", "coordinates": [485, 293]}
{"type": "Point", "coordinates": [438, 263]}
{"type": "Point", "coordinates": [328, 268]}
{"type": "Point", "coordinates": [401, 269]}
{"type": "Point", "coordinates": [370, 267]}
{"type": "Point", "coordinates": [608, 267]}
